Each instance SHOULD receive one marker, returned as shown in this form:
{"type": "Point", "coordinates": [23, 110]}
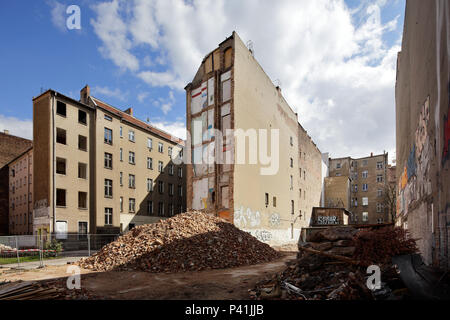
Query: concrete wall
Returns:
{"type": "Point", "coordinates": [337, 192]}
{"type": "Point", "coordinates": [422, 128]}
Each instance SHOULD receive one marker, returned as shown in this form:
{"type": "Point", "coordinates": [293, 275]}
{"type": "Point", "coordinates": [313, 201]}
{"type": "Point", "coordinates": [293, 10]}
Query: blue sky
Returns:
{"type": "Point", "coordinates": [167, 41]}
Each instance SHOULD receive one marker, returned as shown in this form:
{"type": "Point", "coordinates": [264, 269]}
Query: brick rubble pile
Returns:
{"type": "Point", "coordinates": [332, 265]}
{"type": "Point", "coordinates": [186, 242]}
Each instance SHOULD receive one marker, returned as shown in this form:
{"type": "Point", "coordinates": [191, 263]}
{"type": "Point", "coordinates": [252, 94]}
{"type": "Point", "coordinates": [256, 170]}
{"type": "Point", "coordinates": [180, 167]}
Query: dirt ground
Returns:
{"type": "Point", "coordinates": [221, 284]}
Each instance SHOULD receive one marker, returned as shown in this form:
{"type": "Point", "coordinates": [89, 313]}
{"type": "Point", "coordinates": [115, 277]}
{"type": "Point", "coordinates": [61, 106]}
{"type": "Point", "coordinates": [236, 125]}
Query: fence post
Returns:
{"type": "Point", "coordinates": [17, 252]}
{"type": "Point", "coordinates": [89, 244]}
{"type": "Point", "coordinates": [41, 254]}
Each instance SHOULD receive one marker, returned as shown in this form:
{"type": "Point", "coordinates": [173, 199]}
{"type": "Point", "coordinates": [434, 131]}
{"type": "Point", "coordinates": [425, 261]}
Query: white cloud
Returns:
{"type": "Point", "coordinates": [165, 104]}
{"type": "Point", "coordinates": [106, 91]}
{"type": "Point", "coordinates": [58, 15]}
{"type": "Point", "coordinates": [177, 128]}
{"type": "Point", "coordinates": [336, 70]}
{"type": "Point", "coordinates": [17, 127]}
{"type": "Point", "coordinates": [142, 96]}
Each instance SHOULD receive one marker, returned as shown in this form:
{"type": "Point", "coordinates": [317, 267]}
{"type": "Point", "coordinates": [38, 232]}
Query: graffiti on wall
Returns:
{"type": "Point", "coordinates": [246, 218]}
{"type": "Point", "coordinates": [263, 235]}
{"type": "Point", "coordinates": [274, 219]}
{"type": "Point", "coordinates": [415, 182]}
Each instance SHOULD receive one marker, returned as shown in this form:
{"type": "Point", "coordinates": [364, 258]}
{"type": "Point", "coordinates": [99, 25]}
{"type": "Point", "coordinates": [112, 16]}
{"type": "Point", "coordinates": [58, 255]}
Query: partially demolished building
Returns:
{"type": "Point", "coordinates": [250, 159]}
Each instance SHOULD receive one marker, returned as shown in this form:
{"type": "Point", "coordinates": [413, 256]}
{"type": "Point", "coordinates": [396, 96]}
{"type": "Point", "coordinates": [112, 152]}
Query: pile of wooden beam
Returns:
{"type": "Point", "coordinates": [25, 290]}
{"type": "Point", "coordinates": [189, 241]}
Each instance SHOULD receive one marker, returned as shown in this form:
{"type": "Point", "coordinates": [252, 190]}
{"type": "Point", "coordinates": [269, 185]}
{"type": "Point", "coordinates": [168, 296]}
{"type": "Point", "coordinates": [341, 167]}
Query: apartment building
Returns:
{"type": "Point", "coordinates": [10, 148]}
{"type": "Point", "coordinates": [422, 105]}
{"type": "Point", "coordinates": [368, 180]}
{"type": "Point", "coordinates": [234, 114]}
{"type": "Point", "coordinates": [98, 169]}
{"type": "Point", "coordinates": [21, 194]}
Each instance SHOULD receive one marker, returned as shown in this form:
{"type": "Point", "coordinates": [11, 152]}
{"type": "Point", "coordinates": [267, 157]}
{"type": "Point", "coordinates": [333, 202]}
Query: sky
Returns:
{"type": "Point", "coordinates": [335, 60]}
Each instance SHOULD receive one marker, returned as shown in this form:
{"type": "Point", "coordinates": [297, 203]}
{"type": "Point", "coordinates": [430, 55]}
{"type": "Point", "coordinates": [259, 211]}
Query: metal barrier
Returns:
{"type": "Point", "coordinates": [15, 250]}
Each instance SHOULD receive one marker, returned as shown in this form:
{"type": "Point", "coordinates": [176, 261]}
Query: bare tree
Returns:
{"type": "Point", "coordinates": [390, 200]}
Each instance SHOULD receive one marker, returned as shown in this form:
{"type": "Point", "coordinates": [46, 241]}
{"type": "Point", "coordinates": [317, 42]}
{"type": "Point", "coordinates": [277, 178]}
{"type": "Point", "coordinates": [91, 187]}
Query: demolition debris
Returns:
{"type": "Point", "coordinates": [187, 242]}
{"type": "Point", "coordinates": [332, 265]}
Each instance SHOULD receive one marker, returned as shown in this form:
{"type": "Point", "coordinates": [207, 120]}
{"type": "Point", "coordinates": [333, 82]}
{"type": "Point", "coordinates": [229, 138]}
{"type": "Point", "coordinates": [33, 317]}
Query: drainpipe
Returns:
{"type": "Point", "coordinates": [54, 163]}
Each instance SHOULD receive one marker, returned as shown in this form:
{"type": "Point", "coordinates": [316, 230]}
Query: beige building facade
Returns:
{"type": "Point", "coordinates": [21, 194]}
{"type": "Point", "coordinates": [247, 148]}
{"type": "Point", "coordinates": [368, 180]}
{"type": "Point", "coordinates": [101, 170]}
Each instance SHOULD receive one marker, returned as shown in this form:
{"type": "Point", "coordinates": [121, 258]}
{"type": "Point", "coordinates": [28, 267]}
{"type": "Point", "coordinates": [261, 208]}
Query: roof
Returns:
{"type": "Point", "coordinates": [132, 120]}
{"type": "Point", "coordinates": [28, 149]}
{"type": "Point", "coordinates": [56, 93]}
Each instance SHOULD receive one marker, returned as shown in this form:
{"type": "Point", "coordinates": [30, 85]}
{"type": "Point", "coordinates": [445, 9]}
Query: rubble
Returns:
{"type": "Point", "coordinates": [333, 266]}
{"type": "Point", "coordinates": [186, 242]}
{"type": "Point", "coordinates": [5, 248]}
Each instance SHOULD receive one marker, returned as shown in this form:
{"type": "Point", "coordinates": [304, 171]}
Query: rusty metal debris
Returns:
{"type": "Point", "coordinates": [333, 265]}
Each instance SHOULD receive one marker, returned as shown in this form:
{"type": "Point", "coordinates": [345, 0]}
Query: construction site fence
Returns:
{"type": "Point", "coordinates": [16, 250]}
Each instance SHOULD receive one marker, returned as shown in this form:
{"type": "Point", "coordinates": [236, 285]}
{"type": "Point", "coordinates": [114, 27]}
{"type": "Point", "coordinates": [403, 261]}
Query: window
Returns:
{"type": "Point", "coordinates": [365, 187]}
{"type": "Point", "coordinates": [169, 151]}
{"type": "Point", "coordinates": [355, 188]}
{"type": "Point", "coordinates": [355, 202]}
{"type": "Point", "coordinates": [304, 174]}
{"type": "Point", "coordinates": [160, 186]}
{"type": "Point", "coordinates": [60, 166]}
{"type": "Point", "coordinates": [365, 201]}
{"type": "Point", "coordinates": [292, 163]}
{"type": "Point", "coordinates": [121, 131]}
{"type": "Point", "coordinates": [149, 185]}
{"type": "Point", "coordinates": [108, 160]}
{"type": "Point", "coordinates": [121, 178]}
{"type": "Point", "coordinates": [365, 216]}
{"type": "Point", "coordinates": [131, 135]}
{"type": "Point", "coordinates": [121, 204]}
{"type": "Point", "coordinates": [149, 163]}
{"type": "Point", "coordinates": [274, 200]}
{"type": "Point", "coordinates": [108, 216]}
{"type": "Point", "coordinates": [379, 178]}
{"type": "Point", "coordinates": [121, 154]}
{"type": "Point", "coordinates": [292, 182]}
{"type": "Point", "coordinates": [379, 207]}
{"type": "Point", "coordinates": [379, 165]}
{"type": "Point", "coordinates": [266, 199]}
{"type": "Point", "coordinates": [82, 143]}
{"type": "Point", "coordinates": [108, 136]}
{"type": "Point", "coordinates": [365, 174]}
{"type": "Point", "coordinates": [171, 169]}
{"type": "Point", "coordinates": [180, 172]}
{"type": "Point", "coordinates": [61, 136]}
{"type": "Point", "coordinates": [60, 197]}
{"type": "Point", "coordinates": [132, 205]}
{"type": "Point", "coordinates": [149, 207]}
{"type": "Point", "coordinates": [109, 118]}
{"type": "Point", "coordinates": [292, 206]}
{"type": "Point", "coordinates": [379, 193]}
{"type": "Point", "coordinates": [61, 108]}
{"type": "Point", "coordinates": [291, 141]}
{"type": "Point", "coordinates": [82, 229]}
{"type": "Point", "coordinates": [131, 181]}
{"type": "Point", "coordinates": [161, 209]}
{"type": "Point", "coordinates": [108, 188]}
{"type": "Point", "coordinates": [82, 117]}
{"type": "Point", "coordinates": [131, 158]}
{"type": "Point", "coordinates": [160, 147]}
{"type": "Point", "coordinates": [170, 209]}
{"type": "Point", "coordinates": [338, 174]}
{"type": "Point", "coordinates": [180, 191]}
{"type": "Point", "coordinates": [364, 162]}
{"type": "Point", "coordinates": [170, 189]}
{"type": "Point", "coordinates": [160, 166]}
{"type": "Point", "coordinates": [338, 165]}
{"type": "Point", "coordinates": [82, 200]}
{"type": "Point", "coordinates": [150, 143]}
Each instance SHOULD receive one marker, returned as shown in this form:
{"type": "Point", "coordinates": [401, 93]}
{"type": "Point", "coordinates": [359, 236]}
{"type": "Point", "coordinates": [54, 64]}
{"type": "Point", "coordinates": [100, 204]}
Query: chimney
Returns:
{"type": "Point", "coordinates": [6, 131]}
{"type": "Point", "coordinates": [371, 154]}
{"type": "Point", "coordinates": [129, 111]}
{"type": "Point", "coordinates": [84, 94]}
